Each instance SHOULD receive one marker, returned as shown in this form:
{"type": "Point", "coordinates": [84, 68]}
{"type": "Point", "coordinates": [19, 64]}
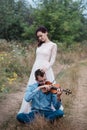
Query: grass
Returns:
{"type": "Point", "coordinates": [39, 124]}
{"type": "Point", "coordinates": [16, 62]}
{"type": "Point", "coordinates": [69, 80]}
{"type": "Point", "coordinates": [15, 66]}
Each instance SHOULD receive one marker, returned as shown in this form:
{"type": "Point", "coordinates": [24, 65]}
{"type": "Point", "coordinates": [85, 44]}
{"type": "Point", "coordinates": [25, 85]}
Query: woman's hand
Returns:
{"type": "Point", "coordinates": [44, 69]}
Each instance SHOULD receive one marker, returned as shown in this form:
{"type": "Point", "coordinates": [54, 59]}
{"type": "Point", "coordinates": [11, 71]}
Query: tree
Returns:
{"type": "Point", "coordinates": [12, 17]}
{"type": "Point", "coordinates": [6, 17]}
{"type": "Point", "coordinates": [63, 18]}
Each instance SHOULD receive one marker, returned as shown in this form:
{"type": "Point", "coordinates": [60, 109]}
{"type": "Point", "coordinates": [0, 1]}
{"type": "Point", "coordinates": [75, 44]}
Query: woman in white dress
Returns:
{"type": "Point", "coordinates": [45, 58]}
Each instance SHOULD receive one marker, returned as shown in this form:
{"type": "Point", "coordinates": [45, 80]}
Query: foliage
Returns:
{"type": "Point", "coordinates": [64, 20]}
{"type": "Point", "coordinates": [12, 15]}
{"type": "Point", "coordinates": [15, 65]}
{"type": "Point", "coordinates": [16, 61]}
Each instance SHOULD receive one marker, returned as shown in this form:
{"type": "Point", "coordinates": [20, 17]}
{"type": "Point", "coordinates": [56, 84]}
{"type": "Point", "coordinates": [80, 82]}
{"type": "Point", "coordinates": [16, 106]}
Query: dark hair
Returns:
{"type": "Point", "coordinates": [43, 30]}
{"type": "Point", "coordinates": [39, 72]}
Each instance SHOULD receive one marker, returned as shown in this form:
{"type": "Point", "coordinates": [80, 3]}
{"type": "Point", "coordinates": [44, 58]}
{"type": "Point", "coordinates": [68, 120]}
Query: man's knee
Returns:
{"type": "Point", "coordinates": [25, 118]}
{"type": "Point", "coordinates": [60, 113]}
{"type": "Point", "coordinates": [19, 117]}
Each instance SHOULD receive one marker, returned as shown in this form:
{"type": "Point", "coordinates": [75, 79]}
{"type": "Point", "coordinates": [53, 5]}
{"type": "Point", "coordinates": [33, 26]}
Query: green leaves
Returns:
{"type": "Point", "coordinates": [64, 20]}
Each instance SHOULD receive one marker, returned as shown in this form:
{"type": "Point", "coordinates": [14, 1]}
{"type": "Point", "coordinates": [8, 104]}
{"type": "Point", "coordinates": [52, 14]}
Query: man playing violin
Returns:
{"type": "Point", "coordinates": [42, 100]}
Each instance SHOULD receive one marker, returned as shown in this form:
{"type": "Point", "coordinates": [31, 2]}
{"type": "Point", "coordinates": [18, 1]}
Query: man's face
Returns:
{"type": "Point", "coordinates": [41, 80]}
{"type": "Point", "coordinates": [42, 37]}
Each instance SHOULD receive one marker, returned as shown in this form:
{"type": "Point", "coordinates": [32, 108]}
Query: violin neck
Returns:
{"type": "Point", "coordinates": [55, 88]}
{"type": "Point", "coordinates": [67, 91]}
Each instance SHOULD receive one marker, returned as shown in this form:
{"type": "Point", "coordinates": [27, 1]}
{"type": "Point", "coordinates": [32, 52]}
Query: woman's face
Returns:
{"type": "Point", "coordinates": [42, 37]}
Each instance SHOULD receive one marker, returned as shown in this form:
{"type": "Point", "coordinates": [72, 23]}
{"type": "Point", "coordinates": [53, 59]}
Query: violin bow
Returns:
{"type": "Point", "coordinates": [67, 91]}
{"type": "Point", "coordinates": [57, 75]}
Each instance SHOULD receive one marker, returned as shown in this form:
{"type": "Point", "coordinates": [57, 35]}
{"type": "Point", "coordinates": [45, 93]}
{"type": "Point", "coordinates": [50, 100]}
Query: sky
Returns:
{"type": "Point", "coordinates": [32, 3]}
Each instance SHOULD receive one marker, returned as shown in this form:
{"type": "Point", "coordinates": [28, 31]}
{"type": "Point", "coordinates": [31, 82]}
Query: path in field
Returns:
{"type": "Point", "coordinates": [10, 104]}
{"type": "Point", "coordinates": [79, 107]}
{"type": "Point", "coordinates": [78, 110]}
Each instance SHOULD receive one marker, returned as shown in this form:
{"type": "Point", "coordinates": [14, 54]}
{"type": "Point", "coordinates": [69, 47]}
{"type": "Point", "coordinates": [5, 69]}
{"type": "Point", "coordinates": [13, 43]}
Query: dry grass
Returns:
{"type": "Point", "coordinates": [39, 124]}
{"type": "Point", "coordinates": [75, 53]}
{"type": "Point", "coordinates": [68, 78]}
{"type": "Point", "coordinates": [15, 65]}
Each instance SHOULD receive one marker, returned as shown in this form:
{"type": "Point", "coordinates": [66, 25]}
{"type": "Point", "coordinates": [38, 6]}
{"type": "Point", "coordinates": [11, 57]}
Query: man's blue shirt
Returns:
{"type": "Point", "coordinates": [40, 100]}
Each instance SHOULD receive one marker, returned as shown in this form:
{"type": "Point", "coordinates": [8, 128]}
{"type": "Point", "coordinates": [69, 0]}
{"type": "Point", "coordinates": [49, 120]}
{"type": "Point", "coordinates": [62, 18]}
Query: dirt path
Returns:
{"type": "Point", "coordinates": [79, 107]}
{"type": "Point", "coordinates": [78, 110]}
{"type": "Point", "coordinates": [9, 105]}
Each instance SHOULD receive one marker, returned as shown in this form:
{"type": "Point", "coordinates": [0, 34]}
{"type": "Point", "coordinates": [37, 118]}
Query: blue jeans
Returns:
{"type": "Point", "coordinates": [49, 115]}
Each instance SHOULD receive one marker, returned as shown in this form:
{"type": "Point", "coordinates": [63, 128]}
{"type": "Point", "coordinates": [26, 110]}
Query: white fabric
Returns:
{"type": "Point", "coordinates": [61, 108]}
{"type": "Point", "coordinates": [25, 107]}
{"type": "Point", "coordinates": [45, 58]}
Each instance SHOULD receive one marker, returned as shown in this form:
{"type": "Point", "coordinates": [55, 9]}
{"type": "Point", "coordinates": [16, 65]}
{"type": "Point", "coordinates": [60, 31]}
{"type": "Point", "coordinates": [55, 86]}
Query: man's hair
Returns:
{"type": "Point", "coordinates": [39, 72]}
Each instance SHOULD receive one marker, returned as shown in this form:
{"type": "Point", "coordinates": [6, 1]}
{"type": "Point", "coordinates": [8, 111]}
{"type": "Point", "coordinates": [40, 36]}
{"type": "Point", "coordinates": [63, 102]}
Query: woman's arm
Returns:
{"type": "Point", "coordinates": [52, 56]}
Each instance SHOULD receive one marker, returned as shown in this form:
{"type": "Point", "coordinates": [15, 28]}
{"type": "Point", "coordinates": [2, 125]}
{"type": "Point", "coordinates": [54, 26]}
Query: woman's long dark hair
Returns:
{"type": "Point", "coordinates": [43, 30]}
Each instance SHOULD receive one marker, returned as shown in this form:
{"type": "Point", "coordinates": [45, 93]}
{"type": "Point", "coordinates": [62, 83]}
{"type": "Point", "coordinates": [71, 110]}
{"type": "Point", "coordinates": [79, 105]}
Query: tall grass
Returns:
{"type": "Point", "coordinates": [73, 54]}
{"type": "Point", "coordinates": [16, 61]}
{"type": "Point", "coordinates": [15, 66]}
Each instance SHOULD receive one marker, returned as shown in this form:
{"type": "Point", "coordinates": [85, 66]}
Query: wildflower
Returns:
{"type": "Point", "coordinates": [12, 79]}
{"type": "Point", "coordinates": [2, 88]}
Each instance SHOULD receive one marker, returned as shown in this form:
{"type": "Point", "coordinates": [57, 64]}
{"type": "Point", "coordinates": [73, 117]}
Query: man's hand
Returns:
{"type": "Point", "coordinates": [47, 87]}
{"type": "Point", "coordinates": [59, 93]}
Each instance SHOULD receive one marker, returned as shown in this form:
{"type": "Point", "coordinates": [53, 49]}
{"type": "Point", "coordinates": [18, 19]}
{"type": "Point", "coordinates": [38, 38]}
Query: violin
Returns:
{"type": "Point", "coordinates": [55, 88]}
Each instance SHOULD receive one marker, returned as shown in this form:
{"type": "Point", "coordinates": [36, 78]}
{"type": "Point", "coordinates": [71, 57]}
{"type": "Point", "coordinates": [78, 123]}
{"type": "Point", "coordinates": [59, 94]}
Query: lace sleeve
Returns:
{"type": "Point", "coordinates": [53, 56]}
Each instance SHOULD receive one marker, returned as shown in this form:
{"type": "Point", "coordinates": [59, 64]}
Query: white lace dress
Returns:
{"type": "Point", "coordinates": [45, 58]}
